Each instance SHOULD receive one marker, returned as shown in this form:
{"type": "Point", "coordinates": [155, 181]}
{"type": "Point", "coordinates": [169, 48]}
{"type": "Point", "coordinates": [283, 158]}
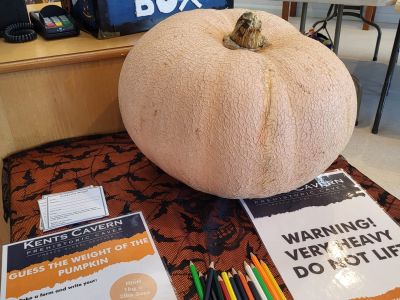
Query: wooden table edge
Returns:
{"type": "Point", "coordinates": [64, 59]}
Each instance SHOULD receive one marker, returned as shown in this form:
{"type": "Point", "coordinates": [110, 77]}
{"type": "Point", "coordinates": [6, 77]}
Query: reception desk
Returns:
{"type": "Point", "coordinates": [51, 90]}
{"type": "Point", "coordinates": [61, 88]}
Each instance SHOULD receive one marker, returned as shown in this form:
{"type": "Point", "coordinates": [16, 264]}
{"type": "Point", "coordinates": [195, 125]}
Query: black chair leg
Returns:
{"type": "Point", "coordinates": [390, 81]}
{"type": "Point", "coordinates": [329, 16]}
{"type": "Point", "coordinates": [378, 39]}
{"type": "Point", "coordinates": [358, 87]}
{"type": "Point", "coordinates": [388, 78]}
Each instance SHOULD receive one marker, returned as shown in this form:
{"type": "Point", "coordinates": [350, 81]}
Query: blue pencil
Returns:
{"type": "Point", "coordinates": [210, 276]}
{"type": "Point", "coordinates": [234, 287]}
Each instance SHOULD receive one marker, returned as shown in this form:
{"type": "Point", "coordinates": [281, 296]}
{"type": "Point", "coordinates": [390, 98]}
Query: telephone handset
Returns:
{"type": "Point", "coordinates": [14, 22]}
{"type": "Point", "coordinates": [19, 33]}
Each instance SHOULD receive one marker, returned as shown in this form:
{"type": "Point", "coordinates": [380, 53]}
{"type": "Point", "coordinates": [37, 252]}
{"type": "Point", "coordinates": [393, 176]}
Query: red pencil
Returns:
{"type": "Point", "coordinates": [223, 288]}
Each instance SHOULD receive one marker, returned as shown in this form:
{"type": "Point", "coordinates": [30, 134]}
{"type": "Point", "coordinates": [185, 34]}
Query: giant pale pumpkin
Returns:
{"type": "Point", "coordinates": [233, 121]}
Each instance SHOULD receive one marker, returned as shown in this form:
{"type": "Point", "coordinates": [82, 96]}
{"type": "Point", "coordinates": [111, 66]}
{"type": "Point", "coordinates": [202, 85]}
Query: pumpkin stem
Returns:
{"type": "Point", "coordinates": [247, 34]}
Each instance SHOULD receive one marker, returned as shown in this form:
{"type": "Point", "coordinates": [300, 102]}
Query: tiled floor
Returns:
{"type": "Point", "coordinates": [377, 156]}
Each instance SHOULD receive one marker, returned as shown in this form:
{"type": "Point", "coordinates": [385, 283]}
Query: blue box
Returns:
{"type": "Point", "coordinates": [110, 18]}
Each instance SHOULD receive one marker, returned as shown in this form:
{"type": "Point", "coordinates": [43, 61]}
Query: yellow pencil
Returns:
{"type": "Point", "coordinates": [225, 278]}
{"type": "Point", "coordinates": [269, 274]}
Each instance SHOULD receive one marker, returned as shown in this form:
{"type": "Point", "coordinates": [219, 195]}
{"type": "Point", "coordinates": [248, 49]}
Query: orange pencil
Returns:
{"type": "Point", "coordinates": [269, 274]}
{"type": "Point", "coordinates": [246, 286]}
{"type": "Point", "coordinates": [266, 279]}
{"type": "Point", "coordinates": [223, 288]}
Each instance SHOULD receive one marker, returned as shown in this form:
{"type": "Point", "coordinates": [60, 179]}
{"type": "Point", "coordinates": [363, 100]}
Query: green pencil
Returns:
{"type": "Point", "coordinates": [217, 286]}
{"type": "Point", "coordinates": [261, 282]}
{"type": "Point", "coordinates": [196, 280]}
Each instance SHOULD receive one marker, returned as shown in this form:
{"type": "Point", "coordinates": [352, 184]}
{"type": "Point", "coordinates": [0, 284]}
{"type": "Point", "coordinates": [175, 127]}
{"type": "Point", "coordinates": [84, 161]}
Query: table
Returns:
{"type": "Point", "coordinates": [340, 5]}
{"type": "Point", "coordinates": [186, 224]}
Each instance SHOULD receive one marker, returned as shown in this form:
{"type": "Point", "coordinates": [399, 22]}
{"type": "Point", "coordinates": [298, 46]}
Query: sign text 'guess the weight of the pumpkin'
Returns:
{"type": "Point", "coordinates": [147, 7]}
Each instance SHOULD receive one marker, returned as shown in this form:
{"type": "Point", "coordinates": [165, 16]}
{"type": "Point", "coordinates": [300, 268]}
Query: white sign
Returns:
{"type": "Point", "coordinates": [112, 259]}
{"type": "Point", "coordinates": [330, 240]}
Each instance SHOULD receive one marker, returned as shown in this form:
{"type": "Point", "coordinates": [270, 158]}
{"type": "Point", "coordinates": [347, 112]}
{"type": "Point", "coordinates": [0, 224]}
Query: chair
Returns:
{"type": "Point", "coordinates": [289, 9]}
{"type": "Point", "coordinates": [353, 11]}
{"type": "Point", "coordinates": [389, 74]}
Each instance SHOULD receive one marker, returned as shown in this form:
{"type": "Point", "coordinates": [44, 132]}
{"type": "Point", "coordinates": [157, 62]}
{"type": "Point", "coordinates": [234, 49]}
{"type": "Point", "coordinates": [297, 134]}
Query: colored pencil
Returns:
{"type": "Point", "coordinates": [196, 280]}
{"type": "Point", "coordinates": [228, 286]}
{"type": "Point", "coordinates": [223, 288]}
{"type": "Point", "coordinates": [254, 279]}
{"type": "Point", "coordinates": [210, 276]}
{"type": "Point", "coordinates": [270, 286]}
{"type": "Point", "coordinates": [202, 281]}
{"type": "Point", "coordinates": [234, 286]}
{"type": "Point", "coordinates": [217, 286]}
{"type": "Point", "coordinates": [261, 282]}
{"type": "Point", "coordinates": [276, 285]}
{"type": "Point", "coordinates": [213, 296]}
{"type": "Point", "coordinates": [246, 286]}
{"type": "Point", "coordinates": [253, 289]}
{"type": "Point", "coordinates": [239, 285]}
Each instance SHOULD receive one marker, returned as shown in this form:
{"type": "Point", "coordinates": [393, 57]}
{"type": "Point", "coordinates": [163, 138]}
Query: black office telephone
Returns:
{"type": "Point", "coordinates": [53, 22]}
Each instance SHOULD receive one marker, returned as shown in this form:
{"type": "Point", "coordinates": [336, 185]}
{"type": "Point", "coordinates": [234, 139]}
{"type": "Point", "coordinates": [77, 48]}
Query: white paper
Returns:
{"type": "Point", "coordinates": [319, 257]}
{"type": "Point", "coordinates": [75, 206]}
{"type": "Point", "coordinates": [60, 209]}
{"type": "Point", "coordinates": [44, 223]}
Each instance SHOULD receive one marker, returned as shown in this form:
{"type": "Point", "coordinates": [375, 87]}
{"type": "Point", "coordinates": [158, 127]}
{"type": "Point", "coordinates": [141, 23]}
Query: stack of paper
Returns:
{"type": "Point", "coordinates": [61, 209]}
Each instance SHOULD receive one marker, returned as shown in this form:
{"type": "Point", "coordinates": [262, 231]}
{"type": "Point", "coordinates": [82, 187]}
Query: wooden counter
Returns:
{"type": "Point", "coordinates": [42, 53]}
{"type": "Point", "coordinates": [51, 90]}
{"type": "Point", "coordinates": [61, 88]}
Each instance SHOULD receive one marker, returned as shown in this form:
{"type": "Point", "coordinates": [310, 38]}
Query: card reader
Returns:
{"type": "Point", "coordinates": [54, 22]}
